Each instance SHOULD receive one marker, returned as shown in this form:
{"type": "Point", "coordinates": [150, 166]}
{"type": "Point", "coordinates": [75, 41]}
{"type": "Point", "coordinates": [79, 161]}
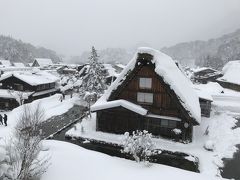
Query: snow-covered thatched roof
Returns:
{"type": "Point", "coordinates": [231, 72]}
{"type": "Point", "coordinates": [44, 61]}
{"type": "Point", "coordinates": [5, 62]}
{"type": "Point", "coordinates": [172, 76]}
{"type": "Point", "coordinates": [32, 77]}
{"type": "Point", "coordinates": [203, 94]}
{"type": "Point", "coordinates": [18, 64]}
{"type": "Point", "coordinates": [203, 69]}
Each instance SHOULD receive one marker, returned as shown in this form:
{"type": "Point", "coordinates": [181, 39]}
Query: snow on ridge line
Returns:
{"type": "Point", "coordinates": [167, 69]}
{"type": "Point", "coordinates": [231, 72]}
{"type": "Point", "coordinates": [126, 104]}
{"type": "Point", "coordinates": [35, 77]}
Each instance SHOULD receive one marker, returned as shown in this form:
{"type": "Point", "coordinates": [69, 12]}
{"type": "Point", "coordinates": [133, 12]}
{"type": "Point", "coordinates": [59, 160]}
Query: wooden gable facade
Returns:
{"type": "Point", "coordinates": [166, 116]}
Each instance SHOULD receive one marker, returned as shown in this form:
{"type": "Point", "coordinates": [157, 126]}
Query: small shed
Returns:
{"type": "Point", "coordinates": [205, 100]}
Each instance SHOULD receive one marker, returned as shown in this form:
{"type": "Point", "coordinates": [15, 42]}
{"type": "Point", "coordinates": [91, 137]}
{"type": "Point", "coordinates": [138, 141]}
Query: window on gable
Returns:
{"type": "Point", "coordinates": [145, 83]}
{"type": "Point", "coordinates": [145, 97]}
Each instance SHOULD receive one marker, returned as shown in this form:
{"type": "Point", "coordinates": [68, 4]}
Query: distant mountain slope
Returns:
{"type": "Point", "coordinates": [18, 51]}
{"type": "Point", "coordinates": [109, 55]}
{"type": "Point", "coordinates": [214, 52]}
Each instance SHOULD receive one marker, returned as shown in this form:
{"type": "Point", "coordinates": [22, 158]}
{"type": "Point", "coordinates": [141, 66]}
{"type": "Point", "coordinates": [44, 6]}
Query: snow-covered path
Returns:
{"type": "Point", "coordinates": [50, 105]}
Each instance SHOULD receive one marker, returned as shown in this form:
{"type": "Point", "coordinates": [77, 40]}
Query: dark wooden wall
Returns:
{"type": "Point", "coordinates": [8, 104]}
{"type": "Point", "coordinates": [9, 82]}
{"type": "Point", "coordinates": [162, 102]}
{"type": "Point", "coordinates": [205, 107]}
{"type": "Point", "coordinates": [229, 85]}
{"type": "Point", "coordinates": [119, 120]}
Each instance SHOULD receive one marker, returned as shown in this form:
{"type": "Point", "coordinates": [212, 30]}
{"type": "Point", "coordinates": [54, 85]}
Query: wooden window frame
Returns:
{"type": "Point", "coordinates": [145, 102]}
{"type": "Point", "coordinates": [144, 79]}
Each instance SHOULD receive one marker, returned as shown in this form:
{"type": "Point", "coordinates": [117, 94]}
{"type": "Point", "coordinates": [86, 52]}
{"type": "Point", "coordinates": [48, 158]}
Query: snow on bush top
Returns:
{"type": "Point", "coordinates": [231, 72]}
{"type": "Point", "coordinates": [167, 69]}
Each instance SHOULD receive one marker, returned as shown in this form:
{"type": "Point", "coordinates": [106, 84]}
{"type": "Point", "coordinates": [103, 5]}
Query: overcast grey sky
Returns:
{"type": "Point", "coordinates": [72, 26]}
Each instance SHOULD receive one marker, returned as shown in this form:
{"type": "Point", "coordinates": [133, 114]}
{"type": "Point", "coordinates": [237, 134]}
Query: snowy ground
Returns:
{"type": "Point", "coordinates": [72, 162]}
{"type": "Point", "coordinates": [51, 106]}
{"type": "Point", "coordinates": [69, 161]}
{"type": "Point", "coordinates": [217, 132]}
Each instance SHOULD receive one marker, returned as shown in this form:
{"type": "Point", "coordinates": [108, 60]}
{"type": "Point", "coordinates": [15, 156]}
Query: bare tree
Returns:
{"type": "Point", "coordinates": [90, 98]}
{"type": "Point", "coordinates": [26, 145]}
{"type": "Point", "coordinates": [20, 96]}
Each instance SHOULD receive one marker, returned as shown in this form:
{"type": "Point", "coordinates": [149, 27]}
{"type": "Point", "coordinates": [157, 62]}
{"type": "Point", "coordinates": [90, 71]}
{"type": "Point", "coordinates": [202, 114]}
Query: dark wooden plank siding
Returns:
{"type": "Point", "coordinates": [205, 106]}
{"type": "Point", "coordinates": [229, 85]}
{"type": "Point", "coordinates": [119, 120]}
{"type": "Point", "coordinates": [163, 103]}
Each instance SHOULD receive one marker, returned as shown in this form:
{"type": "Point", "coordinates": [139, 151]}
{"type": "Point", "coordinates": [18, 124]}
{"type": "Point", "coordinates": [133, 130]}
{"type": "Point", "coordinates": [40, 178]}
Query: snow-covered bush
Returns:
{"type": "Point", "coordinates": [177, 131]}
{"type": "Point", "coordinates": [139, 145]}
{"type": "Point", "coordinates": [209, 145]}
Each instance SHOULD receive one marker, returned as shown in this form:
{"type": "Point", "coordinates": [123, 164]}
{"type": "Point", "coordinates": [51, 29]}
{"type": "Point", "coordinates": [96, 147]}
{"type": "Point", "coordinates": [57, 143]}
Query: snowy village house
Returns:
{"type": "Point", "coordinates": [150, 94]}
{"type": "Point", "coordinates": [205, 74]}
{"type": "Point", "coordinates": [231, 76]}
{"type": "Point", "coordinates": [26, 86]}
{"type": "Point", "coordinates": [42, 62]}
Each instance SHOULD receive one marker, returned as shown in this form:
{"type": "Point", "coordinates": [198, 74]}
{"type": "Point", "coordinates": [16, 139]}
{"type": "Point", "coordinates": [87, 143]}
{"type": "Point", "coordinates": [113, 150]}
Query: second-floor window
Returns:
{"type": "Point", "coordinates": [145, 83]}
{"type": "Point", "coordinates": [145, 97]}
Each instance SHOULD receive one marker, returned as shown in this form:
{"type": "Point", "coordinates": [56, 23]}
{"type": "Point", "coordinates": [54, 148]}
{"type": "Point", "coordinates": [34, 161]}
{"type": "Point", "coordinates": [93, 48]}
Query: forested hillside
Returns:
{"type": "Point", "coordinates": [213, 53]}
{"type": "Point", "coordinates": [18, 51]}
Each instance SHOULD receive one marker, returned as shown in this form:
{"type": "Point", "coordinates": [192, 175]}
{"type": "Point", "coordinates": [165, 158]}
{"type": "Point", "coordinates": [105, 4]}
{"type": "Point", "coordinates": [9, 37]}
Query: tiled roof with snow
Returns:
{"type": "Point", "coordinates": [231, 72]}
{"type": "Point", "coordinates": [32, 77]}
{"type": "Point", "coordinates": [167, 69]}
{"type": "Point", "coordinates": [5, 62]}
{"type": "Point", "coordinates": [44, 61]}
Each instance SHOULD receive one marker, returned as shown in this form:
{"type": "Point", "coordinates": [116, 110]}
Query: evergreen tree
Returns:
{"type": "Point", "coordinates": [93, 84]}
{"type": "Point", "coordinates": [94, 80]}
